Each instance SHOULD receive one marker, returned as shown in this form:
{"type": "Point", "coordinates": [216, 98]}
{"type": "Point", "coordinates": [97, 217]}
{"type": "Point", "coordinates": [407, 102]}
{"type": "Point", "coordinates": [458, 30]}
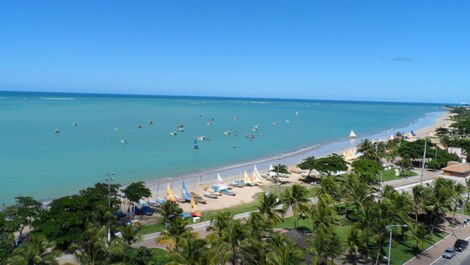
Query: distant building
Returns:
{"type": "Point", "coordinates": [458, 151]}
{"type": "Point", "coordinates": [456, 169]}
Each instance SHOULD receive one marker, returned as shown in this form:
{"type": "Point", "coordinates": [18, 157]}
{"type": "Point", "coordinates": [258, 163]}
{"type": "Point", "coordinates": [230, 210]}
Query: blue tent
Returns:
{"type": "Point", "coordinates": [186, 195]}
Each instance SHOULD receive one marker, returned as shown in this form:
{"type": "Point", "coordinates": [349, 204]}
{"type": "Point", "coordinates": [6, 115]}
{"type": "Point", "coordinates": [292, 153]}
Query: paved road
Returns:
{"type": "Point", "coordinates": [433, 255]}
{"type": "Point", "coordinates": [461, 258]}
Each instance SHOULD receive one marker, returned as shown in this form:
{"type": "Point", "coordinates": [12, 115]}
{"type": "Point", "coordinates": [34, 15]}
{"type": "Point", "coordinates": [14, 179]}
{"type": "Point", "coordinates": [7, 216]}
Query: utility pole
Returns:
{"type": "Point", "coordinates": [424, 158]}
{"type": "Point", "coordinates": [109, 178]}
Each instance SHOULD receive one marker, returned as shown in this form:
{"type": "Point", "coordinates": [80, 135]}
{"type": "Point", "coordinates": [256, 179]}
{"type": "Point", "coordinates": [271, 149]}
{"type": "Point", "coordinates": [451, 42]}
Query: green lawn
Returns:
{"type": "Point", "coordinates": [389, 174]}
{"type": "Point", "coordinates": [401, 252]}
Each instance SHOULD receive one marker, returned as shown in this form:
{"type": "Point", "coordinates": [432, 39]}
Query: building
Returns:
{"type": "Point", "coordinates": [456, 169]}
{"type": "Point", "coordinates": [458, 151]}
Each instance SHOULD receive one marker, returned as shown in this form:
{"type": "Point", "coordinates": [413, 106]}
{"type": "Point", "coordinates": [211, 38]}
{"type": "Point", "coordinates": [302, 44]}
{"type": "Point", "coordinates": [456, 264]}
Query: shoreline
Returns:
{"type": "Point", "coordinates": [197, 181]}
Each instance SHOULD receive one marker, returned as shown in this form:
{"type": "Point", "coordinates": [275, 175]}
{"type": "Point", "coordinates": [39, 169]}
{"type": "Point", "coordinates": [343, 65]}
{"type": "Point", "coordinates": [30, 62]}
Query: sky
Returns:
{"type": "Point", "coordinates": [415, 51]}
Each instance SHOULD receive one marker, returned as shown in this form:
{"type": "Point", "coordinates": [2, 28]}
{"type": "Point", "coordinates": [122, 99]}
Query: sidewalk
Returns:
{"type": "Point", "coordinates": [434, 253]}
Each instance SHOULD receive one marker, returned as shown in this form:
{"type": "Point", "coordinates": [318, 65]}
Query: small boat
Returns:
{"type": "Point", "coordinates": [256, 175]}
{"type": "Point", "coordinates": [250, 136]}
{"type": "Point", "coordinates": [236, 117]}
{"type": "Point", "coordinates": [238, 183]}
{"type": "Point", "coordinates": [150, 122]}
{"type": "Point", "coordinates": [352, 134]}
{"type": "Point", "coordinates": [180, 126]}
{"type": "Point", "coordinates": [296, 113]}
{"type": "Point", "coordinates": [227, 132]}
{"type": "Point", "coordinates": [116, 129]}
{"type": "Point", "coordinates": [123, 141]}
{"type": "Point", "coordinates": [287, 121]}
{"type": "Point", "coordinates": [228, 192]}
{"type": "Point", "coordinates": [181, 129]}
{"type": "Point", "coordinates": [274, 122]}
{"type": "Point", "coordinates": [247, 179]}
{"type": "Point", "coordinates": [219, 179]}
{"type": "Point", "coordinates": [185, 194]}
{"type": "Point", "coordinates": [194, 210]}
{"type": "Point", "coordinates": [198, 198]}
{"type": "Point", "coordinates": [173, 133]}
{"type": "Point", "coordinates": [195, 145]}
{"type": "Point", "coordinates": [57, 131]}
{"type": "Point", "coordinates": [210, 195]}
{"type": "Point", "coordinates": [209, 123]}
{"type": "Point", "coordinates": [169, 194]}
{"type": "Point", "coordinates": [75, 124]}
{"type": "Point", "coordinates": [201, 138]}
{"type": "Point", "coordinates": [139, 126]}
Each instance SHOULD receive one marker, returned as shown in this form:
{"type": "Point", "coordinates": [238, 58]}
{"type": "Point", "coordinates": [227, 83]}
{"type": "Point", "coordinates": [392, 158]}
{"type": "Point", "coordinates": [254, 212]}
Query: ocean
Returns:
{"type": "Point", "coordinates": [54, 144]}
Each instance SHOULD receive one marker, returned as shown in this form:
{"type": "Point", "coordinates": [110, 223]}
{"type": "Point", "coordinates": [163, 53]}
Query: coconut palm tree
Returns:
{"type": "Point", "coordinates": [322, 214]}
{"type": "Point", "coordinates": [295, 197]}
{"type": "Point", "coordinates": [130, 233]}
{"type": "Point", "coordinates": [458, 190]}
{"type": "Point", "coordinates": [220, 222]}
{"type": "Point", "coordinates": [173, 232]}
{"type": "Point", "coordinates": [228, 247]}
{"type": "Point", "coordinates": [92, 246]}
{"type": "Point", "coordinates": [269, 207]}
{"type": "Point", "coordinates": [284, 252]}
{"type": "Point", "coordinates": [37, 251]}
{"type": "Point", "coordinates": [191, 251]}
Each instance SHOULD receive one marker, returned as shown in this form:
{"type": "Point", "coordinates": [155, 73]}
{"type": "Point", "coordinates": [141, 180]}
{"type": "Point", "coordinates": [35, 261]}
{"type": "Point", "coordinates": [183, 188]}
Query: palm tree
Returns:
{"type": "Point", "coordinates": [295, 198]}
{"type": "Point", "coordinates": [367, 148]}
{"type": "Point", "coordinates": [322, 214]}
{"type": "Point", "coordinates": [419, 195]}
{"type": "Point", "coordinates": [440, 200]}
{"type": "Point", "coordinates": [220, 222]}
{"type": "Point", "coordinates": [173, 232]}
{"type": "Point", "coordinates": [325, 245]}
{"type": "Point", "coordinates": [191, 251]}
{"type": "Point", "coordinates": [458, 189]}
{"type": "Point", "coordinates": [130, 233]}
{"type": "Point", "coordinates": [37, 251]}
{"type": "Point", "coordinates": [229, 244]}
{"type": "Point", "coordinates": [284, 252]}
{"type": "Point", "coordinates": [269, 207]}
{"type": "Point", "coordinates": [92, 246]}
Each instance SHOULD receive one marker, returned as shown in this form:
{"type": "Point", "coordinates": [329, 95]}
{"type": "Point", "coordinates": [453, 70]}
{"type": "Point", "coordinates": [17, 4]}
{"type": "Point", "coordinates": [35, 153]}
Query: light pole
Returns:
{"type": "Point", "coordinates": [109, 178]}
{"type": "Point", "coordinates": [390, 240]}
{"type": "Point", "coordinates": [424, 158]}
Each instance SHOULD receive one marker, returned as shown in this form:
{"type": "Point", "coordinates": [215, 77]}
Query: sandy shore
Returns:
{"type": "Point", "coordinates": [444, 121]}
{"type": "Point", "coordinates": [247, 194]}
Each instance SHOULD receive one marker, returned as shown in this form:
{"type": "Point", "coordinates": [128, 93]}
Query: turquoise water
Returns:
{"type": "Point", "coordinates": [34, 160]}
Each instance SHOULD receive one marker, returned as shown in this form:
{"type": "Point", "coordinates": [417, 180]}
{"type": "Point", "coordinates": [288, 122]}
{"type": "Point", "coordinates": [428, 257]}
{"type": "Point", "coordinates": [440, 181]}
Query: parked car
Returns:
{"type": "Point", "coordinates": [460, 245]}
{"type": "Point", "coordinates": [449, 253]}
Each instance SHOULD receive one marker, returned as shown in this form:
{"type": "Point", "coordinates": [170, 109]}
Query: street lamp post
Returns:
{"type": "Point", "coordinates": [424, 158]}
{"type": "Point", "coordinates": [388, 227]}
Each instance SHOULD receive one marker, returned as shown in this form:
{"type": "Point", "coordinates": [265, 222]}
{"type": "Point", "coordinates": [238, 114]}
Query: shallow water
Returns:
{"type": "Point", "coordinates": [36, 161]}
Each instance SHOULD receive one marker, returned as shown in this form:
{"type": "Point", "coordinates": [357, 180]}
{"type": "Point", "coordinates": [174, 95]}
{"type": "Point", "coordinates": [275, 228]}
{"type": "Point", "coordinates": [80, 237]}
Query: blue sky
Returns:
{"type": "Point", "coordinates": [357, 50]}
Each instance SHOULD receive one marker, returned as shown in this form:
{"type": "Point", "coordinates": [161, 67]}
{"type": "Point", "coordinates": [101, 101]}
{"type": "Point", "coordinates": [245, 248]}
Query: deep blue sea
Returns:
{"type": "Point", "coordinates": [37, 161]}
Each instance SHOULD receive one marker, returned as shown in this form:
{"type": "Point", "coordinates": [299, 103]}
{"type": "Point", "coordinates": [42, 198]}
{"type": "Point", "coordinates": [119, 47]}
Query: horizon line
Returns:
{"type": "Point", "coordinates": [218, 97]}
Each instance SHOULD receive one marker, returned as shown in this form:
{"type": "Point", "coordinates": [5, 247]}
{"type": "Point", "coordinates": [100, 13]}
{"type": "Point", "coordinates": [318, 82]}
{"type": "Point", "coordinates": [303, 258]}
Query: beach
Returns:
{"type": "Point", "coordinates": [291, 159]}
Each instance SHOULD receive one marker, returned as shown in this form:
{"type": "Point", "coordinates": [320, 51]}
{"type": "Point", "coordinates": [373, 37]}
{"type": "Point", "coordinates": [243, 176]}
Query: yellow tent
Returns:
{"type": "Point", "coordinates": [194, 210]}
{"type": "Point", "coordinates": [169, 194]}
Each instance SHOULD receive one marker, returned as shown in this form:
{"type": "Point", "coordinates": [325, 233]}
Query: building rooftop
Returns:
{"type": "Point", "coordinates": [458, 168]}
